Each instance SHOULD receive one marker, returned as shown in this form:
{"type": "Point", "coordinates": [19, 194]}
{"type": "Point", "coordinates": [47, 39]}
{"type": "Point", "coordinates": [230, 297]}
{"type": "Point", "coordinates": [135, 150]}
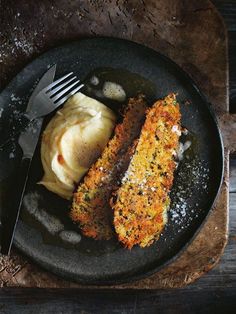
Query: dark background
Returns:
{"type": "Point", "coordinates": [215, 292]}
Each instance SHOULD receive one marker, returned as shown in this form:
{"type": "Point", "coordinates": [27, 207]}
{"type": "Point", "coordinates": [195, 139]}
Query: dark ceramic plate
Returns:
{"type": "Point", "coordinates": [197, 180]}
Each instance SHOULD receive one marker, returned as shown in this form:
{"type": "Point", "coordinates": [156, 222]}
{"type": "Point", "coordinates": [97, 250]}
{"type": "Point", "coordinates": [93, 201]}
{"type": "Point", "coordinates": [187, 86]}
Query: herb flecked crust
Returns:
{"type": "Point", "coordinates": [91, 203]}
{"type": "Point", "coordinates": [140, 204]}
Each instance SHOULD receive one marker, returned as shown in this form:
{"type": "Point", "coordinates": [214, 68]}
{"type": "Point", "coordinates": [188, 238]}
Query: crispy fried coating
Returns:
{"type": "Point", "coordinates": [91, 208]}
{"type": "Point", "coordinates": [141, 203]}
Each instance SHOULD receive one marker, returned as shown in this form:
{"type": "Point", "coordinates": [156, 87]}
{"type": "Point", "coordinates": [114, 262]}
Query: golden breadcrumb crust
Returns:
{"type": "Point", "coordinates": [141, 203]}
{"type": "Point", "coordinates": [91, 208]}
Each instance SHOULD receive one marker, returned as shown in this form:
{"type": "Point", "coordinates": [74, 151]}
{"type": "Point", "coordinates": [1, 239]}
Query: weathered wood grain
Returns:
{"type": "Point", "coordinates": [228, 11]}
{"type": "Point", "coordinates": [201, 297]}
{"type": "Point", "coordinates": [232, 217]}
{"type": "Point", "coordinates": [232, 177]}
{"type": "Point", "coordinates": [105, 302]}
{"type": "Point", "coordinates": [232, 71]}
{"type": "Point", "coordinates": [180, 40]}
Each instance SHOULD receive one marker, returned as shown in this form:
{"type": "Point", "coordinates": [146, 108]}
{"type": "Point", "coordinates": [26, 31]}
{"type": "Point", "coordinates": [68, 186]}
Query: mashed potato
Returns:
{"type": "Point", "coordinates": [72, 141]}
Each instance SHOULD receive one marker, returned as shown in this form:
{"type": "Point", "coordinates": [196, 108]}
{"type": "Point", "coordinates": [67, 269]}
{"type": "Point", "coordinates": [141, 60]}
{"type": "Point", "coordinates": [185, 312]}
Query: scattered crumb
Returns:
{"type": "Point", "coordinates": [187, 102]}
{"type": "Point", "coordinates": [185, 131]}
{"type": "Point", "coordinates": [182, 148]}
{"type": "Point", "coordinates": [14, 45]}
{"type": "Point", "coordinates": [11, 155]}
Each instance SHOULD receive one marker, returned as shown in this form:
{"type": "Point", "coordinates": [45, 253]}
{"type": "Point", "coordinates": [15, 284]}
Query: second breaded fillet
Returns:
{"type": "Point", "coordinates": [91, 208]}
{"type": "Point", "coordinates": [142, 200]}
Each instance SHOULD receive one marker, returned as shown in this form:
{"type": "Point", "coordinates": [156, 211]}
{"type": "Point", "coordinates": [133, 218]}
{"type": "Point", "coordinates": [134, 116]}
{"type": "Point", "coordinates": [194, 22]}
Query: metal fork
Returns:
{"type": "Point", "coordinates": [53, 96]}
{"type": "Point", "coordinates": [43, 103]}
{"type": "Point", "coordinates": [46, 101]}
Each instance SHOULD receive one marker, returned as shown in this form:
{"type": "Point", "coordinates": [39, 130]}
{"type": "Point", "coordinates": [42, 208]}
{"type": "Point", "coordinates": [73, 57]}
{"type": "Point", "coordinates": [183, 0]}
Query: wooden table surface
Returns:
{"type": "Point", "coordinates": [215, 292]}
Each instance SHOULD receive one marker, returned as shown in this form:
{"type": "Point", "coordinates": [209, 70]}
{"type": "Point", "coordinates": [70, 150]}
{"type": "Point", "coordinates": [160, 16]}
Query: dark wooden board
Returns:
{"type": "Point", "coordinates": [227, 9]}
{"type": "Point", "coordinates": [183, 19]}
{"type": "Point", "coordinates": [219, 285]}
{"type": "Point", "coordinates": [167, 292]}
{"type": "Point", "coordinates": [232, 72]}
{"type": "Point", "coordinates": [125, 302]}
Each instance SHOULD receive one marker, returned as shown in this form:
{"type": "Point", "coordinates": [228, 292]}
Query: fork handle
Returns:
{"type": "Point", "coordinates": [7, 136]}
{"type": "Point", "coordinates": [9, 220]}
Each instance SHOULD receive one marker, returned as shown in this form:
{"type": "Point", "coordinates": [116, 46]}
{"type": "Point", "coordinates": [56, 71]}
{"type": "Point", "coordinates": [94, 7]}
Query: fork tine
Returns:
{"type": "Point", "coordinates": [59, 95]}
{"type": "Point", "coordinates": [56, 82]}
{"type": "Point", "coordinates": [61, 101]}
{"type": "Point", "coordinates": [55, 90]}
{"type": "Point", "coordinates": [76, 89]}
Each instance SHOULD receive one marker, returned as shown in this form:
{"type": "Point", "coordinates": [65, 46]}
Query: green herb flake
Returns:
{"type": "Point", "coordinates": [86, 197]}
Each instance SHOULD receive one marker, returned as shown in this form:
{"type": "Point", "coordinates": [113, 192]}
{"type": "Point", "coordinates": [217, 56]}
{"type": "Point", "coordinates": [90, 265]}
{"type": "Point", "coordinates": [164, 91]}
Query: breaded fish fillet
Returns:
{"type": "Point", "coordinates": [141, 203]}
{"type": "Point", "coordinates": [91, 208]}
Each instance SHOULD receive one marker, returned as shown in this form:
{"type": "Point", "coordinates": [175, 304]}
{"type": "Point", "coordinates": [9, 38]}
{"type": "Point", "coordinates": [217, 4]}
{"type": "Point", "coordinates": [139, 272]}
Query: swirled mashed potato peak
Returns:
{"type": "Point", "coordinates": [72, 141]}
